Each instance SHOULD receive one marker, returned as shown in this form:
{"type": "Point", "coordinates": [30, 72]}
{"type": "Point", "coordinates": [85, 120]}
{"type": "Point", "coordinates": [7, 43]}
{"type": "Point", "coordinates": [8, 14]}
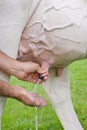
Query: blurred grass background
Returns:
{"type": "Point", "coordinates": [17, 116]}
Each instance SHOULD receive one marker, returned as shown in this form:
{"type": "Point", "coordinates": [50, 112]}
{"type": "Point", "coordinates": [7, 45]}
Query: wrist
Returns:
{"type": "Point", "coordinates": [16, 92]}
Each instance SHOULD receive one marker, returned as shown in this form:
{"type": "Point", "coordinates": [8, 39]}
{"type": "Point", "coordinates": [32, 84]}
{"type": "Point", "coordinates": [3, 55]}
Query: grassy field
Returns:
{"type": "Point", "coordinates": [16, 116]}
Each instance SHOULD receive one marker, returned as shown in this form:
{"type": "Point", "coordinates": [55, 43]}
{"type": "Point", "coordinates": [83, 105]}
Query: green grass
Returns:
{"type": "Point", "coordinates": [17, 116]}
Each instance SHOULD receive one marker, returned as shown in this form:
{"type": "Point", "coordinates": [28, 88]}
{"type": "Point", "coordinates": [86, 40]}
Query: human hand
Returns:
{"type": "Point", "coordinates": [29, 71]}
{"type": "Point", "coordinates": [30, 99]}
{"type": "Point", "coordinates": [21, 94]}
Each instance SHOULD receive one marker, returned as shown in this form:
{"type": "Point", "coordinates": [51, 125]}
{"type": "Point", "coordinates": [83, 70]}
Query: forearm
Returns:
{"type": "Point", "coordinates": [7, 64]}
{"type": "Point", "coordinates": [7, 90]}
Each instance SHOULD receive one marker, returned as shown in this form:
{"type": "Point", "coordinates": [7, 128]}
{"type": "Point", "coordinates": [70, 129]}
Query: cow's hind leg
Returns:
{"type": "Point", "coordinates": [5, 78]}
{"type": "Point", "coordinates": [58, 89]}
{"type": "Point", "coordinates": [10, 37]}
{"type": "Point", "coordinates": [2, 103]}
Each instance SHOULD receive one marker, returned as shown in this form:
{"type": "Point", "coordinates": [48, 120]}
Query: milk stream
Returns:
{"type": "Point", "coordinates": [36, 108]}
{"type": "Point", "coordinates": [35, 87]}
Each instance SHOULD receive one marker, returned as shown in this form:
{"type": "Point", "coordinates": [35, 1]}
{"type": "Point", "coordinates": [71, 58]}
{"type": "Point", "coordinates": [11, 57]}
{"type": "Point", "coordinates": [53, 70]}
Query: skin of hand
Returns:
{"type": "Point", "coordinates": [27, 71]}
{"type": "Point", "coordinates": [21, 94]}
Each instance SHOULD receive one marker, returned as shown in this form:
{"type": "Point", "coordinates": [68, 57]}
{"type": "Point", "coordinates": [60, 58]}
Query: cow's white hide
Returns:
{"type": "Point", "coordinates": [50, 32]}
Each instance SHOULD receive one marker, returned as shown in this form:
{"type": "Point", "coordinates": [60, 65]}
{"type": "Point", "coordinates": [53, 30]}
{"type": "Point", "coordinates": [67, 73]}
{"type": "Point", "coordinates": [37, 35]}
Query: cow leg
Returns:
{"type": "Point", "coordinates": [11, 51]}
{"type": "Point", "coordinates": [10, 36]}
{"type": "Point", "coordinates": [9, 40]}
{"type": "Point", "coordinates": [4, 77]}
{"type": "Point", "coordinates": [58, 90]}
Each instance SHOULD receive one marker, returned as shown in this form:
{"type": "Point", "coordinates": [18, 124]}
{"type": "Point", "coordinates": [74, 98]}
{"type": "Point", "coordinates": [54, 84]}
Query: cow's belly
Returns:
{"type": "Point", "coordinates": [56, 34]}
